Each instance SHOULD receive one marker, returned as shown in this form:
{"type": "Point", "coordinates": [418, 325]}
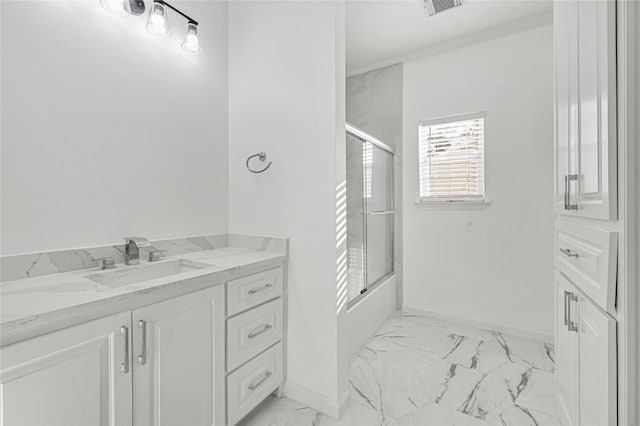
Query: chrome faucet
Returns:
{"type": "Point", "coordinates": [132, 249]}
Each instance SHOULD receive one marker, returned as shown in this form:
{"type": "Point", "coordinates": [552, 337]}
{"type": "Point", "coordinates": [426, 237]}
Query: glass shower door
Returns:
{"type": "Point", "coordinates": [379, 214]}
{"type": "Point", "coordinates": [370, 214]}
{"type": "Point", "coordinates": [355, 217]}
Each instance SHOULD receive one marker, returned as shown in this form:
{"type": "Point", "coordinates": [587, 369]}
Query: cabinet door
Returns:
{"type": "Point", "coordinates": [178, 355]}
{"type": "Point", "coordinates": [565, 88]}
{"type": "Point", "coordinates": [69, 377]}
{"type": "Point", "coordinates": [594, 188]}
{"type": "Point", "coordinates": [597, 391]}
{"type": "Point", "coordinates": [566, 353]}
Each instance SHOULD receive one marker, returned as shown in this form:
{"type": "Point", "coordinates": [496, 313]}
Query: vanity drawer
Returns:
{"type": "Point", "coordinates": [250, 333]}
{"type": "Point", "coordinates": [588, 256]}
{"type": "Point", "coordinates": [247, 292]}
{"type": "Point", "coordinates": [253, 382]}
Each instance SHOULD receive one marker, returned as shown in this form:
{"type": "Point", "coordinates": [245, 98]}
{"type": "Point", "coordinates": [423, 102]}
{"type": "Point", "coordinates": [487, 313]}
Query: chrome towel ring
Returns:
{"type": "Point", "coordinates": [262, 156]}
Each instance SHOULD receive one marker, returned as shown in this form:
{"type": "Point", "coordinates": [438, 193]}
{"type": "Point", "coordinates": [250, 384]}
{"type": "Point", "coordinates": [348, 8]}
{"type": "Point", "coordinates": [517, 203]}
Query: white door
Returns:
{"type": "Point", "coordinates": [565, 88]}
{"type": "Point", "coordinates": [595, 189]}
{"type": "Point", "coordinates": [78, 376]}
{"type": "Point", "coordinates": [566, 352]}
{"type": "Point", "coordinates": [178, 352]}
{"type": "Point", "coordinates": [585, 108]}
{"type": "Point", "coordinates": [597, 391]}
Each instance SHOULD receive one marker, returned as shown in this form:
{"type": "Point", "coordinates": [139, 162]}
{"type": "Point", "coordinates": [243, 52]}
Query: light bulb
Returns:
{"type": "Point", "coordinates": [158, 22]}
{"type": "Point", "coordinates": [117, 7]}
{"type": "Point", "coordinates": [191, 42]}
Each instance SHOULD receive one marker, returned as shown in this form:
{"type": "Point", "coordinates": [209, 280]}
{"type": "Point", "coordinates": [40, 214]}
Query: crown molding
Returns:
{"type": "Point", "coordinates": [513, 27]}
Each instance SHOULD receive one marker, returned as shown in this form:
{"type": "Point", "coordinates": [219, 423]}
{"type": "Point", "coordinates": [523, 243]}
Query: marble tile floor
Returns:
{"type": "Point", "coordinates": [423, 371]}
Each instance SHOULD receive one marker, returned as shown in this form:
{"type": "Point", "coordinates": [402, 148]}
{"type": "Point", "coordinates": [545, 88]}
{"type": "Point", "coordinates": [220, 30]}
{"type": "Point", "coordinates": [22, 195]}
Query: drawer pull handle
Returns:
{"type": "Point", "coordinates": [124, 366]}
{"type": "Point", "coordinates": [570, 253]}
{"type": "Point", "coordinates": [255, 334]}
{"type": "Point", "coordinates": [254, 386]}
{"type": "Point", "coordinates": [261, 288]}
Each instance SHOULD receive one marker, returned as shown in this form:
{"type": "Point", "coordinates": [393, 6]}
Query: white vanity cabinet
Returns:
{"type": "Point", "coordinates": [162, 364]}
{"type": "Point", "coordinates": [178, 360]}
{"type": "Point", "coordinates": [76, 376]}
{"type": "Point", "coordinates": [585, 108]}
{"type": "Point", "coordinates": [255, 330]}
{"type": "Point", "coordinates": [585, 359]}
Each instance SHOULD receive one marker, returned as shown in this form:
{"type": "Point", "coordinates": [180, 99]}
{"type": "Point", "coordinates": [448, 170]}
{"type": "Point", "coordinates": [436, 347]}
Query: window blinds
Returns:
{"type": "Point", "coordinates": [452, 159]}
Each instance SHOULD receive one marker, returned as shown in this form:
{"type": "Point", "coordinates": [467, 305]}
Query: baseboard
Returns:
{"type": "Point", "coordinates": [480, 324]}
{"type": "Point", "coordinates": [316, 401]}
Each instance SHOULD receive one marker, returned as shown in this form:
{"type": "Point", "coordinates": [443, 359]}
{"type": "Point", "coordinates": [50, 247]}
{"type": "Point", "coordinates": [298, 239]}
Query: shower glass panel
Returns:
{"type": "Point", "coordinates": [355, 217]}
{"type": "Point", "coordinates": [370, 214]}
{"type": "Point", "coordinates": [380, 216]}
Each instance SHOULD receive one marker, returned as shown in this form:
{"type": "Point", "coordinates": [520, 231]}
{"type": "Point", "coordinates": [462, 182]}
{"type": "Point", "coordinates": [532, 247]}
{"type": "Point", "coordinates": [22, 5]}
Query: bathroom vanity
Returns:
{"type": "Point", "coordinates": [199, 341]}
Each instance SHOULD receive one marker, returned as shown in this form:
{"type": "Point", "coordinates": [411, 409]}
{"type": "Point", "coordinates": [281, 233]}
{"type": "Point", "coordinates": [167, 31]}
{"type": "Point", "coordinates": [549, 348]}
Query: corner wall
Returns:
{"type": "Point", "coordinates": [491, 265]}
{"type": "Point", "coordinates": [286, 97]}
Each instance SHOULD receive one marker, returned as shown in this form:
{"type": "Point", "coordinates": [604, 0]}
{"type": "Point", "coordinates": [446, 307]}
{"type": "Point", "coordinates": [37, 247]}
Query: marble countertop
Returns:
{"type": "Point", "coordinates": [34, 306]}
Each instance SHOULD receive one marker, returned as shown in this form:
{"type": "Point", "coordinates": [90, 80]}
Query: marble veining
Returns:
{"type": "Point", "coordinates": [31, 306]}
{"type": "Point", "coordinates": [46, 263]}
{"type": "Point", "coordinates": [424, 371]}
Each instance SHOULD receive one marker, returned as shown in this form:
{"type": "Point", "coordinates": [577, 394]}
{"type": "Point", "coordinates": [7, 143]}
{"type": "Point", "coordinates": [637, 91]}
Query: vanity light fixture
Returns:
{"type": "Point", "coordinates": [124, 7]}
{"type": "Point", "coordinates": [191, 42]}
{"type": "Point", "coordinates": [158, 24]}
{"type": "Point", "coordinates": [117, 7]}
{"type": "Point", "coordinates": [158, 20]}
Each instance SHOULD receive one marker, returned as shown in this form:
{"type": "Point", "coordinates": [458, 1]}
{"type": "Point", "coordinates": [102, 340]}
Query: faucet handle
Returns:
{"type": "Point", "coordinates": [139, 241]}
{"type": "Point", "coordinates": [106, 262]}
{"type": "Point", "coordinates": [154, 254]}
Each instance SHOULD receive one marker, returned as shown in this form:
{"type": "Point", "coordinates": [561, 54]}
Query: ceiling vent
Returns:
{"type": "Point", "coordinates": [431, 7]}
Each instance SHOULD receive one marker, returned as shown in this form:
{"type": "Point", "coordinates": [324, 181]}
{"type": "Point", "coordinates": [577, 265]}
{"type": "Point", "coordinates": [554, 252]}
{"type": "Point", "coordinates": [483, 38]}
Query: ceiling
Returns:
{"type": "Point", "coordinates": [382, 30]}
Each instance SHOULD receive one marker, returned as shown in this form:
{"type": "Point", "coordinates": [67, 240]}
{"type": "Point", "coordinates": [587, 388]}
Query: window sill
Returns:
{"type": "Point", "coordinates": [453, 205]}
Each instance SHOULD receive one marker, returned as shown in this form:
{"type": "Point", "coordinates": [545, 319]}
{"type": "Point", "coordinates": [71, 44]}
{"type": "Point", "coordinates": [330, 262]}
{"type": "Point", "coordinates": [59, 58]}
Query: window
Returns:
{"type": "Point", "coordinates": [451, 152]}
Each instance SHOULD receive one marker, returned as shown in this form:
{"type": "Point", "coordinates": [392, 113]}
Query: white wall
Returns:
{"type": "Point", "coordinates": [108, 130]}
{"type": "Point", "coordinates": [491, 265]}
{"type": "Point", "coordinates": [286, 97]}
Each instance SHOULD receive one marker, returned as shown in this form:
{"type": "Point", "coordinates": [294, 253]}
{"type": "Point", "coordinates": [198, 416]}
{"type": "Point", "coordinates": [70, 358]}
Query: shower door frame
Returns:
{"type": "Point", "coordinates": [364, 137]}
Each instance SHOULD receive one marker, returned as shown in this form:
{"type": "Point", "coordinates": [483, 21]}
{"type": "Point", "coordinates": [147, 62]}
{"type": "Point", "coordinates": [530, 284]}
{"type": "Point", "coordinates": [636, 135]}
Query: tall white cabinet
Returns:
{"type": "Point", "coordinates": [585, 108]}
{"type": "Point", "coordinates": [586, 206]}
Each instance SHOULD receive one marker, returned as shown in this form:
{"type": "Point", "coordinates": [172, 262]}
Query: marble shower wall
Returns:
{"type": "Point", "coordinates": [46, 263]}
{"type": "Point", "coordinates": [374, 104]}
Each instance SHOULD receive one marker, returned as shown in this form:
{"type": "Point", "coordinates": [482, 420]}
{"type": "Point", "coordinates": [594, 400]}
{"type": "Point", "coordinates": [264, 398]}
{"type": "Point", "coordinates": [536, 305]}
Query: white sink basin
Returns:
{"type": "Point", "coordinates": [146, 272]}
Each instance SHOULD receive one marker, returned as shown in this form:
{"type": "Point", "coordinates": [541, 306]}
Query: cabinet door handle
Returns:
{"type": "Point", "coordinates": [571, 326]}
{"type": "Point", "coordinates": [570, 253]}
{"type": "Point", "coordinates": [569, 179]}
{"type": "Point", "coordinates": [254, 386]}
{"type": "Point", "coordinates": [566, 298]}
{"type": "Point", "coordinates": [124, 332]}
{"type": "Point", "coordinates": [260, 288]}
{"type": "Point", "coordinates": [142, 358]}
{"type": "Point", "coordinates": [255, 334]}
{"type": "Point", "coordinates": [566, 192]}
